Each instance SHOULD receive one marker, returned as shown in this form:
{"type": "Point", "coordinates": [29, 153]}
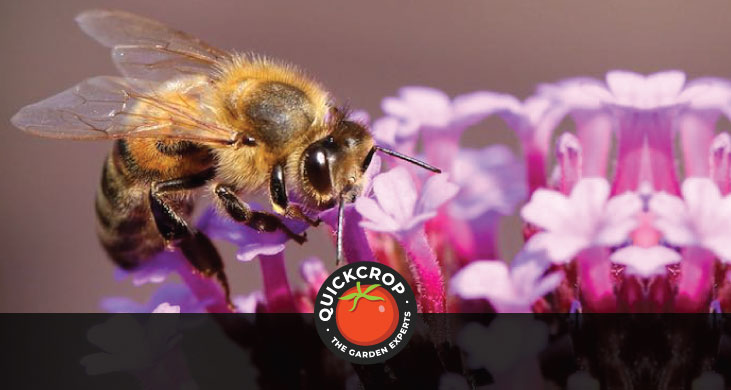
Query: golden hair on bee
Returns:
{"type": "Point", "coordinates": [237, 77]}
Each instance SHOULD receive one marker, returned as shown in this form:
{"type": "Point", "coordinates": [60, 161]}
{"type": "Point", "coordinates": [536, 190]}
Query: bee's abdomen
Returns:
{"type": "Point", "coordinates": [126, 227]}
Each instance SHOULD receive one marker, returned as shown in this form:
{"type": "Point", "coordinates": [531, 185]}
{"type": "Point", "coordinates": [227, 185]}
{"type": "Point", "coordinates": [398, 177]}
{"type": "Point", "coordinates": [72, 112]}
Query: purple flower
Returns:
{"type": "Point", "coordinates": [534, 121]}
{"type": "Point", "coordinates": [491, 183]}
{"type": "Point", "coordinates": [249, 303]}
{"type": "Point", "coordinates": [267, 246]}
{"type": "Point", "coordinates": [250, 243]}
{"type": "Point", "coordinates": [509, 290]}
{"type": "Point", "coordinates": [701, 218]}
{"type": "Point", "coordinates": [155, 270]}
{"type": "Point", "coordinates": [489, 179]}
{"type": "Point", "coordinates": [586, 218]}
{"type": "Point", "coordinates": [438, 119]}
{"type": "Point", "coordinates": [313, 272]}
{"type": "Point", "coordinates": [644, 112]}
{"type": "Point", "coordinates": [400, 210]}
{"type": "Point", "coordinates": [634, 90]}
{"type": "Point", "coordinates": [583, 99]}
{"type": "Point", "coordinates": [699, 223]}
{"type": "Point", "coordinates": [167, 308]}
{"type": "Point", "coordinates": [645, 262]}
{"type": "Point", "coordinates": [427, 108]}
{"type": "Point", "coordinates": [720, 162]}
{"type": "Point", "coordinates": [397, 207]}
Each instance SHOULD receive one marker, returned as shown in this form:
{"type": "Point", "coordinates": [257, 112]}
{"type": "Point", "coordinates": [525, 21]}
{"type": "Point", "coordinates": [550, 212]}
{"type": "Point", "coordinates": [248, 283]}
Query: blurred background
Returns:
{"type": "Point", "coordinates": [50, 260]}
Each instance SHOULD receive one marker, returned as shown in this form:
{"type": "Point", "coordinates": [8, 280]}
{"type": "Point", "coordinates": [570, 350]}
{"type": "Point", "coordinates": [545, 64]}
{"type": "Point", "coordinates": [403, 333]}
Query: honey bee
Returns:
{"type": "Point", "coordinates": [188, 116]}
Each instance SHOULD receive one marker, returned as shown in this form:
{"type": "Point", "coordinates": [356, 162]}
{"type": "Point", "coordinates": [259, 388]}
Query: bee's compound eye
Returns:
{"type": "Point", "coordinates": [317, 168]}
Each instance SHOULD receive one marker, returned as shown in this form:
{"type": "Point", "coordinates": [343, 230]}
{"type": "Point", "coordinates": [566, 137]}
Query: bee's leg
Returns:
{"type": "Point", "coordinates": [280, 201]}
{"type": "Point", "coordinates": [168, 222]}
{"type": "Point", "coordinates": [195, 245]}
{"type": "Point", "coordinates": [295, 212]}
{"type": "Point", "coordinates": [201, 254]}
{"type": "Point", "coordinates": [261, 221]}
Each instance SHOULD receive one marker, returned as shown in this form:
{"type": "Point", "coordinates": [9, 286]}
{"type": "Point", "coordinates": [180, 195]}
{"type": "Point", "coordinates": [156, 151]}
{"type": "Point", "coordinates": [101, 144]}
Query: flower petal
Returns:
{"type": "Point", "coordinates": [645, 262]}
{"type": "Point", "coordinates": [375, 218]}
{"type": "Point", "coordinates": [396, 194]}
{"type": "Point", "coordinates": [561, 248]}
{"type": "Point", "coordinates": [619, 219]}
{"type": "Point", "coordinates": [489, 179]}
{"type": "Point", "coordinates": [547, 209]}
{"type": "Point", "coordinates": [166, 308]}
{"type": "Point", "coordinates": [589, 197]}
{"type": "Point", "coordinates": [249, 252]}
{"type": "Point", "coordinates": [672, 219]}
{"type": "Point", "coordinates": [248, 303]}
{"type": "Point", "coordinates": [436, 191]}
{"type": "Point", "coordinates": [483, 279]}
{"type": "Point", "coordinates": [473, 107]}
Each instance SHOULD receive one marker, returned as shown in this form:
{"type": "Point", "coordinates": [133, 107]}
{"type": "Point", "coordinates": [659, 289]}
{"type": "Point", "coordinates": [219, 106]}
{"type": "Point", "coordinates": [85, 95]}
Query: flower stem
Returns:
{"type": "Point", "coordinates": [356, 246]}
{"type": "Point", "coordinates": [597, 289]}
{"type": "Point", "coordinates": [696, 135]}
{"type": "Point", "coordinates": [594, 130]}
{"type": "Point", "coordinates": [355, 242]}
{"type": "Point", "coordinates": [276, 286]}
{"type": "Point", "coordinates": [720, 159]}
{"type": "Point", "coordinates": [645, 151]}
{"type": "Point", "coordinates": [694, 286]}
{"type": "Point", "coordinates": [205, 289]}
{"type": "Point", "coordinates": [426, 272]}
{"type": "Point", "coordinates": [535, 164]}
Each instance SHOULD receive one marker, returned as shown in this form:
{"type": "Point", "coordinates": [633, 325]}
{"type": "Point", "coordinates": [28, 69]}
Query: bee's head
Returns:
{"type": "Point", "coordinates": [332, 167]}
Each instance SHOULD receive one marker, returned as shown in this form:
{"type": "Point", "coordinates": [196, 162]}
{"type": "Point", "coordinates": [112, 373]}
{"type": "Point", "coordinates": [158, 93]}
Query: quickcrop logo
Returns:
{"type": "Point", "coordinates": [364, 312]}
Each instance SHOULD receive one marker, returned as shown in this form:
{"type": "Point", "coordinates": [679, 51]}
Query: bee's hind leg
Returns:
{"type": "Point", "coordinates": [195, 245]}
{"type": "Point", "coordinates": [261, 221]}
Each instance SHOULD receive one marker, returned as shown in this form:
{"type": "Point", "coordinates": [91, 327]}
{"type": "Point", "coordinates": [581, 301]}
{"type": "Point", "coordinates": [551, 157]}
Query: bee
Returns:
{"type": "Point", "coordinates": [187, 117]}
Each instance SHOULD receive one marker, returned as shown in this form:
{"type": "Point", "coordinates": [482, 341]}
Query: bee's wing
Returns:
{"type": "Point", "coordinates": [147, 49]}
{"type": "Point", "coordinates": [158, 63]}
{"type": "Point", "coordinates": [112, 107]}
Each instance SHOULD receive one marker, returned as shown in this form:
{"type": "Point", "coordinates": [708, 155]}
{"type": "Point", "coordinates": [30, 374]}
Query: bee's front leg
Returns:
{"type": "Point", "coordinates": [261, 221]}
{"type": "Point", "coordinates": [295, 212]}
{"type": "Point", "coordinates": [280, 200]}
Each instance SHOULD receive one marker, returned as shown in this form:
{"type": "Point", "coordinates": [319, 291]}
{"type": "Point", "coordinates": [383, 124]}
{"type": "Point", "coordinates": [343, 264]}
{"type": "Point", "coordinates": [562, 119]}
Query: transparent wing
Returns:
{"type": "Point", "coordinates": [147, 49]}
{"type": "Point", "coordinates": [157, 62]}
{"type": "Point", "coordinates": [112, 107]}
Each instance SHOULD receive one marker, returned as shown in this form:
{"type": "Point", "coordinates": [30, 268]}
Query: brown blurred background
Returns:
{"type": "Point", "coordinates": [363, 51]}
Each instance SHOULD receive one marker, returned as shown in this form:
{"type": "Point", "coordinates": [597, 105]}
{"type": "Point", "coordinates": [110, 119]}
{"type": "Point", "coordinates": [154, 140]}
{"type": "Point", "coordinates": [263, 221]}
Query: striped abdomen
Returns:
{"type": "Point", "coordinates": [126, 227]}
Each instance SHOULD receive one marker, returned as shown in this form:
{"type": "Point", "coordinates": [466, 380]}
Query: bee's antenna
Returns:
{"type": "Point", "coordinates": [408, 158]}
{"type": "Point", "coordinates": [339, 232]}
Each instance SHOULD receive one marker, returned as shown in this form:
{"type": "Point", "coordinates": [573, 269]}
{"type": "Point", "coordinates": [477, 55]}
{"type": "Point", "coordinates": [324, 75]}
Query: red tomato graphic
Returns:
{"type": "Point", "coordinates": [367, 314]}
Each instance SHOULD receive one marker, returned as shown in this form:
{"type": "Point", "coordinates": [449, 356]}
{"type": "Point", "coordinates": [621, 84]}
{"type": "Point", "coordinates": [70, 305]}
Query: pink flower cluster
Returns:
{"type": "Point", "coordinates": [634, 215]}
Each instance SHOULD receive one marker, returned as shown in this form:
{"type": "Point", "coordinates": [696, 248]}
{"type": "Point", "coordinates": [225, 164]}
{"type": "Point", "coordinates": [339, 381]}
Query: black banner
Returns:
{"type": "Point", "coordinates": [447, 351]}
